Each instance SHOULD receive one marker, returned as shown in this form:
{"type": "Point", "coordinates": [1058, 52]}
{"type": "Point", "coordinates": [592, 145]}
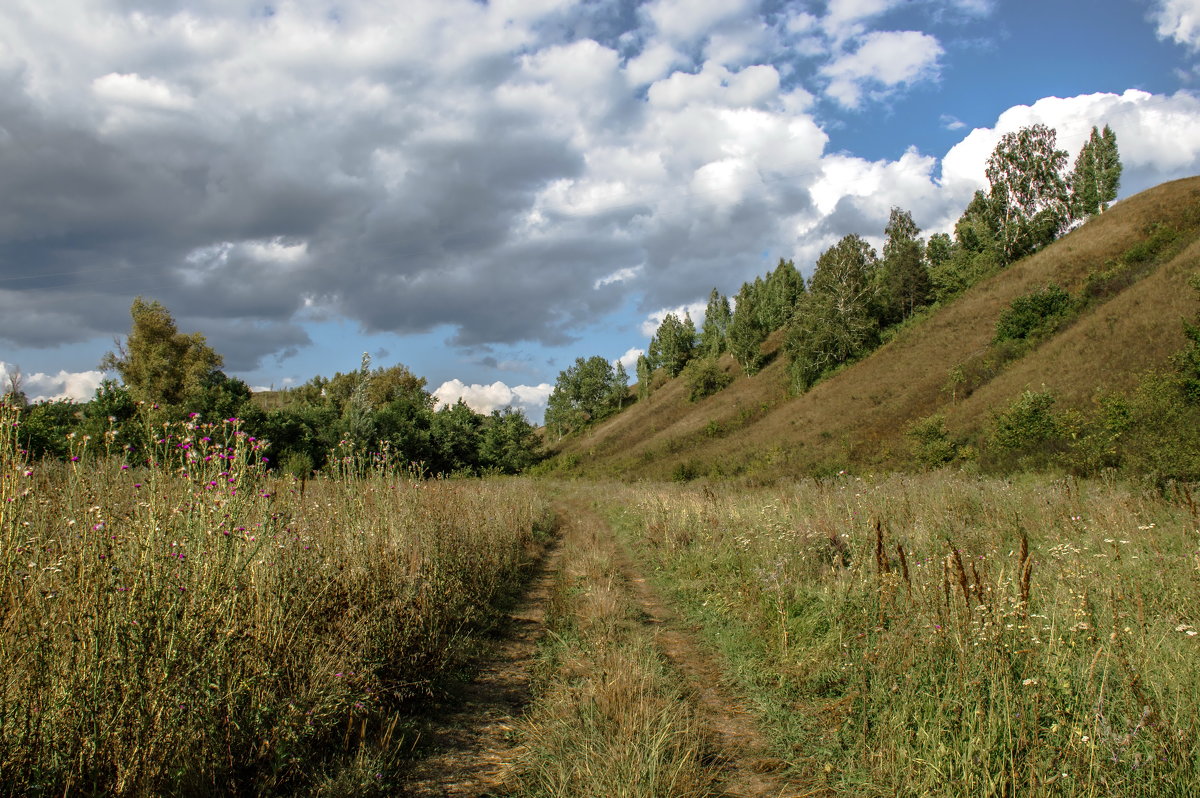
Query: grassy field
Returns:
{"type": "Point", "coordinates": [182, 622]}
{"type": "Point", "coordinates": [948, 635]}
{"type": "Point", "coordinates": [200, 627]}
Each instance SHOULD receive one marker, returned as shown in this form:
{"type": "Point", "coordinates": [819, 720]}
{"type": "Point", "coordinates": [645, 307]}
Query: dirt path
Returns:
{"type": "Point", "coordinates": [471, 741]}
{"type": "Point", "coordinates": [740, 755]}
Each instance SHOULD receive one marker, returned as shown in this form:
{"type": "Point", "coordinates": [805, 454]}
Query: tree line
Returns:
{"type": "Point", "coordinates": [855, 294]}
{"type": "Point", "coordinates": [167, 375]}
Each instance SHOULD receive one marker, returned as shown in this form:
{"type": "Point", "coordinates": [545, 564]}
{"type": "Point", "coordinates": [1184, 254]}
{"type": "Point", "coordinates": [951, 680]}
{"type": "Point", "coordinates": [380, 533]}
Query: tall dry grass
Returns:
{"type": "Point", "coordinates": [196, 626]}
{"type": "Point", "coordinates": [950, 635]}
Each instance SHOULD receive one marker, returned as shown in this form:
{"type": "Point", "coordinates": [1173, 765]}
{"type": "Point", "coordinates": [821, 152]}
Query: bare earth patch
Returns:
{"type": "Point", "coordinates": [471, 739]}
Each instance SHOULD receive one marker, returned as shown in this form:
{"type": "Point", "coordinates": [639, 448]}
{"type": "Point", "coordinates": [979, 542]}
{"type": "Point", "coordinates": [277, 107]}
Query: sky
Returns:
{"type": "Point", "coordinates": [486, 190]}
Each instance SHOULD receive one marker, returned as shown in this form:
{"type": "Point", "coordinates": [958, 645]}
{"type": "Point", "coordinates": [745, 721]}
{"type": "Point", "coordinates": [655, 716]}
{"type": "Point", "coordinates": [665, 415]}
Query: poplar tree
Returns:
{"type": "Point", "coordinates": [1097, 174]}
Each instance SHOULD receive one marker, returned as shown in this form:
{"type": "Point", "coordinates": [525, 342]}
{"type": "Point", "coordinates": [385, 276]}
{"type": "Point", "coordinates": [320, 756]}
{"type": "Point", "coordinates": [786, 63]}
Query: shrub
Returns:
{"type": "Point", "coordinates": [932, 446]}
{"type": "Point", "coordinates": [704, 378]}
{"type": "Point", "coordinates": [1035, 315]}
{"type": "Point", "coordinates": [1028, 422]}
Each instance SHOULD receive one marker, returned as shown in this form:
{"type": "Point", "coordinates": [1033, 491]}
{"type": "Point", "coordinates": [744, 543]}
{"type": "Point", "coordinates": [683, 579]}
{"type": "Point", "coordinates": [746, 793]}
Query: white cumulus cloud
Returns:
{"type": "Point", "coordinates": [884, 61]}
{"type": "Point", "coordinates": [531, 399]}
{"type": "Point", "coordinates": [77, 386]}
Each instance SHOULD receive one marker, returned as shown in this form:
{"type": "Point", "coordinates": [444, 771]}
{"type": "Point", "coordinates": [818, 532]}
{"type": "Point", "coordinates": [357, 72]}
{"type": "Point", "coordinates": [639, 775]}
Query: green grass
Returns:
{"type": "Point", "coordinates": [923, 678]}
{"type": "Point", "coordinates": [198, 627]}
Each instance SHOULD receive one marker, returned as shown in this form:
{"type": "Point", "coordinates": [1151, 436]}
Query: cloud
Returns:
{"type": "Point", "coordinates": [512, 171]}
{"type": "Point", "coordinates": [654, 320]}
{"type": "Point", "coordinates": [1179, 20]}
{"type": "Point", "coordinates": [885, 60]}
{"type": "Point", "coordinates": [629, 359]}
{"type": "Point", "coordinates": [77, 386]}
{"type": "Point", "coordinates": [950, 122]}
{"type": "Point", "coordinates": [530, 399]}
{"type": "Point", "coordinates": [1158, 136]}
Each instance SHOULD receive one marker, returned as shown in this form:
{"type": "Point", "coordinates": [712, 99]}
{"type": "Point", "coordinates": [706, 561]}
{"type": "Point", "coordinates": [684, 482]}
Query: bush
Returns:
{"type": "Point", "coordinates": [1028, 422]}
{"type": "Point", "coordinates": [704, 378]}
{"type": "Point", "coordinates": [1035, 315]}
{"type": "Point", "coordinates": [932, 446]}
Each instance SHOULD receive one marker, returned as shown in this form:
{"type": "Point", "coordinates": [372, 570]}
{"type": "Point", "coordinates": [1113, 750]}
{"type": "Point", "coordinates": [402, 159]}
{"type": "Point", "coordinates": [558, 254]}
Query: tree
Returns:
{"type": "Point", "coordinates": [14, 393]}
{"type": "Point", "coordinates": [676, 342]}
{"type": "Point", "coordinates": [644, 377]}
{"type": "Point", "coordinates": [1097, 174]}
{"type": "Point", "coordinates": [509, 442]}
{"type": "Point", "coordinates": [779, 294]}
{"type": "Point", "coordinates": [456, 437]}
{"type": "Point", "coordinates": [839, 317]}
{"type": "Point", "coordinates": [585, 392]}
{"type": "Point", "coordinates": [714, 333]}
{"type": "Point", "coordinates": [159, 364]}
{"type": "Point", "coordinates": [746, 332]}
{"type": "Point", "coordinates": [1028, 192]}
{"type": "Point", "coordinates": [904, 279]}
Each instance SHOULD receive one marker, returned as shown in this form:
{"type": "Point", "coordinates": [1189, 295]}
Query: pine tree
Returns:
{"type": "Point", "coordinates": [713, 336]}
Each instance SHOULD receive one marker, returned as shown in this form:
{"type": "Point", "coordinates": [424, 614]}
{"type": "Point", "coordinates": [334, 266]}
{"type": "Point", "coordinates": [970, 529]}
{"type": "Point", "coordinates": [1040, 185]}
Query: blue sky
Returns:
{"type": "Point", "coordinates": [484, 191]}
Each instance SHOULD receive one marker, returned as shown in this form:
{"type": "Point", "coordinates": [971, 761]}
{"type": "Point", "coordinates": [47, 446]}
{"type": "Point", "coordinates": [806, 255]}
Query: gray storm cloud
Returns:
{"type": "Point", "coordinates": [483, 166]}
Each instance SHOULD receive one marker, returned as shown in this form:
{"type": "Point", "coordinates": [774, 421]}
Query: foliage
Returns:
{"type": "Point", "coordinates": [676, 343]}
{"type": "Point", "coordinates": [777, 296]}
{"type": "Point", "coordinates": [837, 320]}
{"type": "Point", "coordinates": [1097, 174]}
{"type": "Point", "coordinates": [904, 282]}
{"type": "Point", "coordinates": [746, 332]}
{"type": "Point", "coordinates": [159, 364]}
{"type": "Point", "coordinates": [1035, 315]}
{"type": "Point", "coordinates": [584, 392]}
{"type": "Point", "coordinates": [1027, 433]}
{"type": "Point", "coordinates": [1187, 360]}
{"type": "Point", "coordinates": [1028, 198]}
{"type": "Point", "coordinates": [932, 446]}
{"type": "Point", "coordinates": [645, 378]}
{"type": "Point", "coordinates": [714, 333]}
{"type": "Point", "coordinates": [705, 377]}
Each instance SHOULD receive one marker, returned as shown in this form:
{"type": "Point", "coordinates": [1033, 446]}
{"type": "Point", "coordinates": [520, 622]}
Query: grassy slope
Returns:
{"type": "Point", "coordinates": [859, 415]}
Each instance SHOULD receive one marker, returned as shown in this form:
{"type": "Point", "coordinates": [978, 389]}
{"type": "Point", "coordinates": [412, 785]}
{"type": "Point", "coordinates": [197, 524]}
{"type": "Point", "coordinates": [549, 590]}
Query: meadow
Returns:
{"type": "Point", "coordinates": [944, 634]}
{"type": "Point", "coordinates": [177, 620]}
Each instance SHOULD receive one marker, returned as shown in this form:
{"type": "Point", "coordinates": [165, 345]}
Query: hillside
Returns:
{"type": "Point", "coordinates": [858, 417]}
